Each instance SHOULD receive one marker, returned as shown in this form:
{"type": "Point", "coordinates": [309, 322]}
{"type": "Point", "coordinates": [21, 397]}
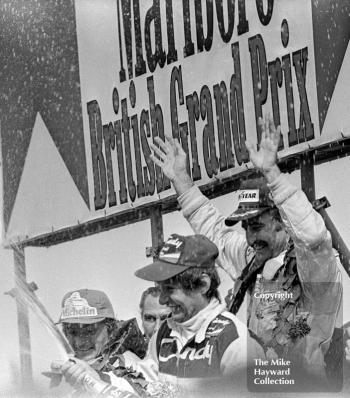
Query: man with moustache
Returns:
{"type": "Point", "coordinates": [284, 261]}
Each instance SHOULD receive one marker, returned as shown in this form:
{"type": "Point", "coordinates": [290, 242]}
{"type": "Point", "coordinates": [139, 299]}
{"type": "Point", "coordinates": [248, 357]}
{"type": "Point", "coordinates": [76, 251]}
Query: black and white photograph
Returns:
{"type": "Point", "coordinates": [174, 198]}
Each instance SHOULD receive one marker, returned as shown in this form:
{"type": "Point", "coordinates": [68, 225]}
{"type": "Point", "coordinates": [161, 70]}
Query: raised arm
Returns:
{"type": "Point", "coordinates": [265, 158]}
{"type": "Point", "coordinates": [304, 224]}
{"type": "Point", "coordinates": [202, 215]}
{"type": "Point", "coordinates": [173, 161]}
{"type": "Point", "coordinates": [316, 260]}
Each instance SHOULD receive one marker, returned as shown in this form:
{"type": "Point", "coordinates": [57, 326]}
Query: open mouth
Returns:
{"type": "Point", "coordinates": [84, 350]}
{"type": "Point", "coordinates": [175, 309]}
{"type": "Point", "coordinates": [259, 245]}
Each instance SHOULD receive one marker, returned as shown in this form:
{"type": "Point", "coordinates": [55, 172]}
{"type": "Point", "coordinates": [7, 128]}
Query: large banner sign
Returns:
{"type": "Point", "coordinates": [87, 85]}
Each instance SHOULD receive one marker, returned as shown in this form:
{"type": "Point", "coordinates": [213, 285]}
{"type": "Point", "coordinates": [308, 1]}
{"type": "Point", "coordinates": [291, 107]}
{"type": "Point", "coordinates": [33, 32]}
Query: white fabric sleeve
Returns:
{"type": "Point", "coordinates": [205, 219]}
{"type": "Point", "coordinates": [304, 224]}
{"type": "Point", "coordinates": [240, 354]}
{"type": "Point", "coordinates": [313, 244]}
{"type": "Point", "coordinates": [149, 365]}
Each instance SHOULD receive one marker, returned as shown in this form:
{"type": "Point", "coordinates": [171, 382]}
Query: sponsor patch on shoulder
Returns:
{"type": "Point", "coordinates": [217, 326]}
{"type": "Point", "coordinates": [77, 307]}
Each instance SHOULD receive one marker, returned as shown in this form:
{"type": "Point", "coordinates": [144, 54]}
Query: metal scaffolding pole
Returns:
{"type": "Point", "coordinates": [308, 186]}
{"type": "Point", "coordinates": [23, 319]}
{"type": "Point", "coordinates": [156, 228]}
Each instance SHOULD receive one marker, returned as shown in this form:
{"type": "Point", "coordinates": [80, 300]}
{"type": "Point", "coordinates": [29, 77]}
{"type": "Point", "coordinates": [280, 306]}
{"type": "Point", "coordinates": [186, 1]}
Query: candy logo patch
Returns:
{"type": "Point", "coordinates": [248, 195]}
{"type": "Point", "coordinates": [77, 307]}
{"type": "Point", "coordinates": [171, 251]}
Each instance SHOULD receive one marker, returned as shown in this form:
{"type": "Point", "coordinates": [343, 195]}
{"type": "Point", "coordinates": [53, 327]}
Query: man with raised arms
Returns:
{"type": "Point", "coordinates": [286, 249]}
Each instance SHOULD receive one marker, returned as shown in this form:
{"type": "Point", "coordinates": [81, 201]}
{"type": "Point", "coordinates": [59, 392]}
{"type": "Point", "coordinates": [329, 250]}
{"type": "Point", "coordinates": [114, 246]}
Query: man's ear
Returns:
{"type": "Point", "coordinates": [205, 284]}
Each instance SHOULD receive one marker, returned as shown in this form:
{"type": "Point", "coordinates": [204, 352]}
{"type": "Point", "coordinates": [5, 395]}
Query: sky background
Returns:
{"type": "Point", "coordinates": [107, 261]}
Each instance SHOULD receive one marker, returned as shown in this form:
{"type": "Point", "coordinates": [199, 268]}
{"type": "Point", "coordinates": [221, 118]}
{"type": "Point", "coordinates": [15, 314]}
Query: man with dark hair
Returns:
{"type": "Point", "coordinates": [152, 312]}
{"type": "Point", "coordinates": [200, 339]}
{"type": "Point", "coordinates": [284, 261]}
{"type": "Point", "coordinates": [102, 345]}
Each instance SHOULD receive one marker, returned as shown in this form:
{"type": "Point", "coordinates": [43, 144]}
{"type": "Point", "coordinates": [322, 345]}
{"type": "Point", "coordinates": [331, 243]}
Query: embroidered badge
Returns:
{"type": "Point", "coordinates": [77, 307]}
{"type": "Point", "coordinates": [248, 195]}
{"type": "Point", "coordinates": [171, 251]}
{"type": "Point", "coordinates": [216, 327]}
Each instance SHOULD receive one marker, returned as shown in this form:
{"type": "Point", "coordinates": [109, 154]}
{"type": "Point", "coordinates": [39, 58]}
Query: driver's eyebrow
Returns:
{"type": "Point", "coordinates": [254, 224]}
{"type": "Point", "coordinates": [165, 285]}
{"type": "Point", "coordinates": [149, 315]}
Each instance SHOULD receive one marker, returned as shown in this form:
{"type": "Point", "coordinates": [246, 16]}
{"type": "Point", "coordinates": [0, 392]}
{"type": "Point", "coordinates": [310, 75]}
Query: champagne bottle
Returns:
{"type": "Point", "coordinates": [105, 390]}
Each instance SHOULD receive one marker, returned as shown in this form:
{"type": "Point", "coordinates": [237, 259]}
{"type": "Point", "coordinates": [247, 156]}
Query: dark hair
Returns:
{"type": "Point", "coordinates": [274, 212]}
{"type": "Point", "coordinates": [191, 280]}
{"type": "Point", "coordinates": [111, 324]}
{"type": "Point", "coordinates": [153, 291]}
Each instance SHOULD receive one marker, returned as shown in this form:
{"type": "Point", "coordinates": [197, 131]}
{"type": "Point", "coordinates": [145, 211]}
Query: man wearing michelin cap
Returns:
{"type": "Point", "coordinates": [200, 339]}
{"type": "Point", "coordinates": [284, 261]}
{"type": "Point", "coordinates": [100, 346]}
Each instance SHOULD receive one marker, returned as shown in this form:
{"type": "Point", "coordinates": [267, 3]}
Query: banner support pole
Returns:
{"type": "Point", "coordinates": [156, 227]}
{"type": "Point", "coordinates": [337, 240]}
{"type": "Point", "coordinates": [23, 319]}
{"type": "Point", "coordinates": [308, 175]}
{"type": "Point", "coordinates": [308, 186]}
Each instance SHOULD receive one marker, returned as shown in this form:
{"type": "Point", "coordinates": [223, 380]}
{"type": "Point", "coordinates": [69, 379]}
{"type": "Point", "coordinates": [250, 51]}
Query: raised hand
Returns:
{"type": "Point", "coordinates": [265, 158]}
{"type": "Point", "coordinates": [172, 159]}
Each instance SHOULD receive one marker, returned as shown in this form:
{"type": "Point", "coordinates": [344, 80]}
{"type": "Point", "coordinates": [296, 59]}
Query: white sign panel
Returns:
{"type": "Point", "coordinates": [88, 93]}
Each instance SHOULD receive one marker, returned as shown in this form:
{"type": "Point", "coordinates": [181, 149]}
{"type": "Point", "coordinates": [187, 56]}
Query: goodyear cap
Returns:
{"type": "Point", "coordinates": [254, 198]}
